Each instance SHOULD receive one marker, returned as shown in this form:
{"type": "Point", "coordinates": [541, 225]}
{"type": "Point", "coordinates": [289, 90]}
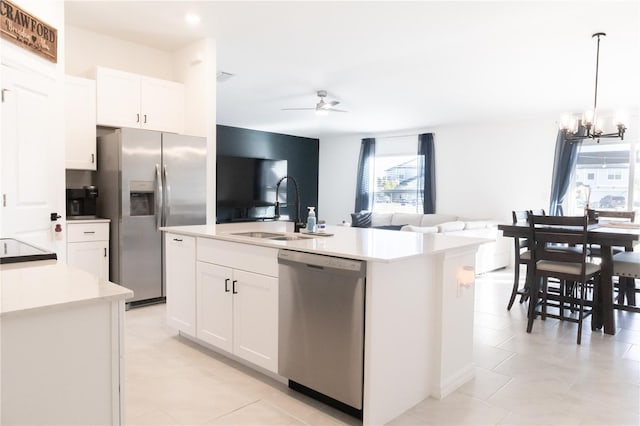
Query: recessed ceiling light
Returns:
{"type": "Point", "coordinates": [192, 19]}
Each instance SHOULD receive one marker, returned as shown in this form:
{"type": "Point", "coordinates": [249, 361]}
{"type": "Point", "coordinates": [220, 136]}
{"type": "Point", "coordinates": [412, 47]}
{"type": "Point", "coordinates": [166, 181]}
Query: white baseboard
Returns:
{"type": "Point", "coordinates": [453, 382]}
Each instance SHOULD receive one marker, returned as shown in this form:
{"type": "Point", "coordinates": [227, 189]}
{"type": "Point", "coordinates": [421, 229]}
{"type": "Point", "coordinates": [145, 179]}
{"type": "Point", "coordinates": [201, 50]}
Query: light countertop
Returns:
{"type": "Point", "coordinates": [45, 284]}
{"type": "Point", "coordinates": [92, 220]}
{"type": "Point", "coordinates": [352, 243]}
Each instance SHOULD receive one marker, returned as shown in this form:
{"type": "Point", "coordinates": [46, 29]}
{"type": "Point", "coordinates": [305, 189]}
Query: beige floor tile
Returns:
{"type": "Point", "coordinates": [151, 418]}
{"type": "Point", "coordinates": [258, 413]}
{"type": "Point", "coordinates": [633, 353]}
{"type": "Point", "coordinates": [484, 384]}
{"type": "Point", "coordinates": [455, 409]}
{"type": "Point", "coordinates": [521, 378]}
{"type": "Point", "coordinates": [488, 357]}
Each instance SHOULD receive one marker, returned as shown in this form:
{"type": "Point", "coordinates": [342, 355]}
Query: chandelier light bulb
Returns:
{"type": "Point", "coordinates": [592, 126]}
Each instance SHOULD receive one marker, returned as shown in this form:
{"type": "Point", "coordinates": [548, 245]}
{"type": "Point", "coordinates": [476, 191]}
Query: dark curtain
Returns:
{"type": "Point", "coordinates": [427, 171]}
{"type": "Point", "coordinates": [563, 164]}
{"type": "Point", "coordinates": [364, 184]}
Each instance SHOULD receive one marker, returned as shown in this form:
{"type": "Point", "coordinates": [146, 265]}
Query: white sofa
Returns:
{"type": "Point", "coordinates": [491, 255]}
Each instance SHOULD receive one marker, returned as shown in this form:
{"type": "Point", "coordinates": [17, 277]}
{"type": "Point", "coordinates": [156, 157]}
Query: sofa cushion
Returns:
{"type": "Point", "coordinates": [475, 224]}
{"type": "Point", "coordinates": [421, 229]}
{"type": "Point", "coordinates": [361, 220]}
{"type": "Point", "coordinates": [451, 226]}
{"type": "Point", "coordinates": [437, 218]}
{"type": "Point", "coordinates": [381, 219]}
{"type": "Point", "coordinates": [406, 219]}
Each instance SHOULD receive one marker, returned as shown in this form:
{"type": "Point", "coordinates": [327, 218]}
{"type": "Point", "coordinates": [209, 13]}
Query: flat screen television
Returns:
{"type": "Point", "coordinates": [246, 187]}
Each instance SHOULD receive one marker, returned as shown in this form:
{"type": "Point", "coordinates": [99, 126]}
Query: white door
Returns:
{"type": "Point", "coordinates": [255, 319]}
{"type": "Point", "coordinates": [32, 158]}
{"type": "Point", "coordinates": [215, 305]}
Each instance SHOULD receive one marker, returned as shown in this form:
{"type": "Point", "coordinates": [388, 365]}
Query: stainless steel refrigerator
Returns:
{"type": "Point", "coordinates": [148, 179]}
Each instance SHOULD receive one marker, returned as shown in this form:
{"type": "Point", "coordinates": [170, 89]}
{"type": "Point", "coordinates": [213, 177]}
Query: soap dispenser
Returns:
{"type": "Point", "coordinates": [311, 220]}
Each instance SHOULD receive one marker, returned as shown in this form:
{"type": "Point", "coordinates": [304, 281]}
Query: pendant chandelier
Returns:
{"type": "Point", "coordinates": [591, 123]}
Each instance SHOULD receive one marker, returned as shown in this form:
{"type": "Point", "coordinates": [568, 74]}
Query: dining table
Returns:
{"type": "Point", "coordinates": [607, 234]}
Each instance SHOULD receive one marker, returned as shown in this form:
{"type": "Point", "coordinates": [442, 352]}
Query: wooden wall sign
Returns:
{"type": "Point", "coordinates": [27, 31]}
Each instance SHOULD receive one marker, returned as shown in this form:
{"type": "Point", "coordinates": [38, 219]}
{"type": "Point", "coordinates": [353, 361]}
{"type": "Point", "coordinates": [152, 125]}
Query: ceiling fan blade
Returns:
{"type": "Point", "coordinates": [333, 103]}
{"type": "Point", "coordinates": [335, 110]}
{"type": "Point", "coordinates": [297, 109]}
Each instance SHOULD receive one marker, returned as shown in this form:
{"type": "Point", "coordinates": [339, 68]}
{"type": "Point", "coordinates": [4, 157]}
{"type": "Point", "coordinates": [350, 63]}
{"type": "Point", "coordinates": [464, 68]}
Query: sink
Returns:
{"type": "Point", "coordinates": [272, 236]}
{"type": "Point", "coordinates": [289, 238]}
{"type": "Point", "coordinates": [258, 234]}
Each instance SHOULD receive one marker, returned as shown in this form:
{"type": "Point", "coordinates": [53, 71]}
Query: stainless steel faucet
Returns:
{"type": "Point", "coordinates": [297, 225]}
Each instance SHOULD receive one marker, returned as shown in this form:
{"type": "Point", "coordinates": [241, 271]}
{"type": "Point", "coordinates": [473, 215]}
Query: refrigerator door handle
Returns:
{"type": "Point", "coordinates": [158, 203]}
{"type": "Point", "coordinates": [166, 210]}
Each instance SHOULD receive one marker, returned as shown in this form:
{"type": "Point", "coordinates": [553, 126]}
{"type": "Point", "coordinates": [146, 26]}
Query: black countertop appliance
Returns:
{"type": "Point", "coordinates": [81, 202]}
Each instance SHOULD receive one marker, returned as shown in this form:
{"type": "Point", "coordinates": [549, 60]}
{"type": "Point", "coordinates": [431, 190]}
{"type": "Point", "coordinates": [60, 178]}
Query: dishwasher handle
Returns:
{"type": "Point", "coordinates": [322, 263]}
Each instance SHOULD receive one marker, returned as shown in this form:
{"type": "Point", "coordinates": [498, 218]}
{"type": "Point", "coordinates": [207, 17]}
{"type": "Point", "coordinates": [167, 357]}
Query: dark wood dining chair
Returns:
{"type": "Point", "coordinates": [626, 266]}
{"type": "Point", "coordinates": [522, 256]}
{"type": "Point", "coordinates": [618, 216]}
{"type": "Point", "coordinates": [570, 267]}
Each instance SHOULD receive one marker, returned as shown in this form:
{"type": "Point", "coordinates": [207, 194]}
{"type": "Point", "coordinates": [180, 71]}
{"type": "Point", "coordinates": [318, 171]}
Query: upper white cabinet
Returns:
{"type": "Point", "coordinates": [80, 123]}
{"type": "Point", "coordinates": [132, 100]}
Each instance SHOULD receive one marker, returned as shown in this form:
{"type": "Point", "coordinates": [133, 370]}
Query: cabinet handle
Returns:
{"type": "Point", "coordinates": [138, 118]}
{"type": "Point", "coordinates": [234, 286]}
{"type": "Point", "coordinates": [93, 158]}
{"type": "Point", "coordinates": [226, 285]}
{"type": "Point", "coordinates": [145, 118]}
{"type": "Point", "coordinates": [178, 240]}
{"type": "Point", "coordinates": [89, 232]}
{"type": "Point", "coordinates": [105, 252]}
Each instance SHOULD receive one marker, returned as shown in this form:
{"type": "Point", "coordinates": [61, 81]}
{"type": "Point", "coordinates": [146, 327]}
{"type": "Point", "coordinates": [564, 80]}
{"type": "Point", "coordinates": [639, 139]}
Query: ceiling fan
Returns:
{"type": "Point", "coordinates": [322, 107]}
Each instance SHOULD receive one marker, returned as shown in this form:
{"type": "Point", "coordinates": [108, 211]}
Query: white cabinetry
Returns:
{"type": "Point", "coordinates": [131, 100]}
{"type": "Point", "coordinates": [80, 123]}
{"type": "Point", "coordinates": [180, 279]}
{"type": "Point", "coordinates": [229, 300]}
{"type": "Point", "coordinates": [88, 247]}
{"type": "Point", "coordinates": [237, 311]}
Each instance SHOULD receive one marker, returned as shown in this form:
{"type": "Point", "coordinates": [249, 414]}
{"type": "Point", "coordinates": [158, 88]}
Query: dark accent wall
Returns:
{"type": "Point", "coordinates": [301, 155]}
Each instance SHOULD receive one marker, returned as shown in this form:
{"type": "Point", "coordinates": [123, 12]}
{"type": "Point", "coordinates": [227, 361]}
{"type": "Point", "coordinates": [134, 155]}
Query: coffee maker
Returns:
{"type": "Point", "coordinates": [81, 202]}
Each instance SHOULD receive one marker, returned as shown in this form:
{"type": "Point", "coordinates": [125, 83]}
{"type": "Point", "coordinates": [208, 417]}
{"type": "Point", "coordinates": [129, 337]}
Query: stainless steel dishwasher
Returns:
{"type": "Point", "coordinates": [321, 327]}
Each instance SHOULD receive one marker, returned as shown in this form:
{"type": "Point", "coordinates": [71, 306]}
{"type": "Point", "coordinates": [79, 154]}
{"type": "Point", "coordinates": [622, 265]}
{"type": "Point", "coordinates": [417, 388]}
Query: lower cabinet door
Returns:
{"type": "Point", "coordinates": [90, 256]}
{"type": "Point", "coordinates": [255, 319]}
{"type": "Point", "coordinates": [180, 280]}
{"type": "Point", "coordinates": [215, 305]}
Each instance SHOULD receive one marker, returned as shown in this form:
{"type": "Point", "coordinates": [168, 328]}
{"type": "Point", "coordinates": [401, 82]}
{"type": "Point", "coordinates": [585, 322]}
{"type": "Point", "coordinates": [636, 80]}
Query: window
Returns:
{"type": "Point", "coordinates": [396, 184]}
{"type": "Point", "coordinates": [606, 177]}
{"type": "Point", "coordinates": [397, 175]}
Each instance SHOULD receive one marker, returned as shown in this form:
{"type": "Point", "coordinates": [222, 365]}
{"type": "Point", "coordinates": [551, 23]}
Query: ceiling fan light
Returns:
{"type": "Point", "coordinates": [320, 112]}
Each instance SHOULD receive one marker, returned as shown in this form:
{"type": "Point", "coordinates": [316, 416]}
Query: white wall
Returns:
{"type": "Point", "coordinates": [482, 170]}
{"type": "Point", "coordinates": [86, 49]}
{"type": "Point", "coordinates": [195, 66]}
{"type": "Point", "coordinates": [337, 173]}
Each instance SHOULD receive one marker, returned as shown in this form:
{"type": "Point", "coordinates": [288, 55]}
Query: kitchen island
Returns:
{"type": "Point", "coordinates": [418, 302]}
{"type": "Point", "coordinates": [62, 345]}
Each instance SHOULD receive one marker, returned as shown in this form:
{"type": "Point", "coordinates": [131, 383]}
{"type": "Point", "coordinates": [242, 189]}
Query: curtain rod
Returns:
{"type": "Point", "coordinates": [399, 136]}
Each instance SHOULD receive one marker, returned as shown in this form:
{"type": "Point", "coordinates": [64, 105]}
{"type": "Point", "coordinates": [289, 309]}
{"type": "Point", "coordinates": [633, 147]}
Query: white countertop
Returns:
{"type": "Point", "coordinates": [352, 243]}
{"type": "Point", "coordinates": [44, 284]}
{"type": "Point", "coordinates": [94, 220]}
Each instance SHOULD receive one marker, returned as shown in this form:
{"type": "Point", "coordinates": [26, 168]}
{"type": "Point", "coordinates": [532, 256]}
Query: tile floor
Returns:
{"type": "Point", "coordinates": [542, 378]}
